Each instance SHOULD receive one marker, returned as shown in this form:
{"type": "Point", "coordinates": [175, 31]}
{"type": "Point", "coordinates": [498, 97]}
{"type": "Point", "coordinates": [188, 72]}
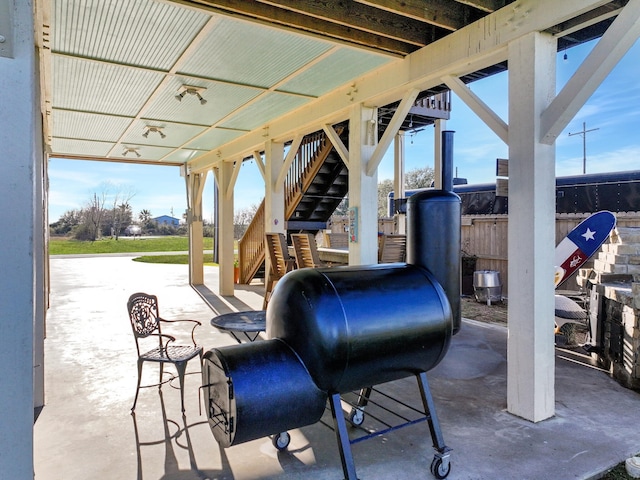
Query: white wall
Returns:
{"type": "Point", "coordinates": [20, 162]}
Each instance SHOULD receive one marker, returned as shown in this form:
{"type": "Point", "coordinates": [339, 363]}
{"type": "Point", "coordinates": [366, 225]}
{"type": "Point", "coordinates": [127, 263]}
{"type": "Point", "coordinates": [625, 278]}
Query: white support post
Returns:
{"type": "Point", "coordinates": [224, 177]}
{"type": "Point", "coordinates": [21, 256]}
{"type": "Point", "coordinates": [274, 193]}
{"type": "Point", "coordinates": [274, 220]}
{"type": "Point", "coordinates": [440, 125]}
{"type": "Point", "coordinates": [531, 234]}
{"type": "Point", "coordinates": [398, 179]}
{"type": "Point", "coordinates": [363, 188]}
{"type": "Point", "coordinates": [195, 186]}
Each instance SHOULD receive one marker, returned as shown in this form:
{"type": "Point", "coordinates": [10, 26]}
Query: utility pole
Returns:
{"type": "Point", "coordinates": [584, 144]}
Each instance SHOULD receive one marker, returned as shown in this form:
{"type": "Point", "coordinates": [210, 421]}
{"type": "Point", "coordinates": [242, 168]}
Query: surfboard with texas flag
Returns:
{"type": "Point", "coordinates": [581, 243]}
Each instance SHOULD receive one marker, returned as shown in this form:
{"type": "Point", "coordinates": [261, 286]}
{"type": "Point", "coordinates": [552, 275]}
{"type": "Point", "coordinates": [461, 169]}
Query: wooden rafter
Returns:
{"type": "Point", "coordinates": [488, 6]}
{"type": "Point", "coordinates": [397, 27]}
{"type": "Point", "coordinates": [441, 13]}
{"type": "Point", "coordinates": [295, 20]}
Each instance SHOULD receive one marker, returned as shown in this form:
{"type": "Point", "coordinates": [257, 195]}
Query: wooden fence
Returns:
{"type": "Point", "coordinates": [484, 237]}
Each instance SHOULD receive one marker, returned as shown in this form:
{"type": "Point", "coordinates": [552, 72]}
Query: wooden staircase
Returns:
{"type": "Point", "coordinates": [318, 180]}
{"type": "Point", "coordinates": [307, 169]}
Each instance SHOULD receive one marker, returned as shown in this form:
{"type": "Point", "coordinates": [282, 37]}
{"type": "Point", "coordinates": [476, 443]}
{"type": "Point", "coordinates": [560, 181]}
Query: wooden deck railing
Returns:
{"type": "Point", "coordinates": [438, 106]}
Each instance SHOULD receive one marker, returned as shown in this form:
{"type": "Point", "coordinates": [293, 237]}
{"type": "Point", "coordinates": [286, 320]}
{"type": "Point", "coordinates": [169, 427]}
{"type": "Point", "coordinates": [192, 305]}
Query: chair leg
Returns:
{"type": "Point", "coordinates": [267, 290]}
{"type": "Point", "coordinates": [135, 400]}
{"type": "Point", "coordinates": [181, 367]}
{"type": "Point", "coordinates": [161, 374]}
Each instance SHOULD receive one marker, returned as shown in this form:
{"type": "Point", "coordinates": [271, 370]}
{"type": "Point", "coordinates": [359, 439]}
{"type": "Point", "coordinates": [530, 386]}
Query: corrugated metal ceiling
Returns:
{"type": "Point", "coordinates": [117, 66]}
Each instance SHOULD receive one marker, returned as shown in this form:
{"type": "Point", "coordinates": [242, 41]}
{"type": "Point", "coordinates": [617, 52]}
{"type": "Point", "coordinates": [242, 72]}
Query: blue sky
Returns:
{"type": "Point", "coordinates": [614, 109]}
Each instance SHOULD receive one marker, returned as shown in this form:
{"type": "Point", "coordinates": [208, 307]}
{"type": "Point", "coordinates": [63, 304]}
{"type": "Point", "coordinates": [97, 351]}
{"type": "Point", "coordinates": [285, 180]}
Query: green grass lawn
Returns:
{"type": "Point", "coordinates": [172, 259]}
{"type": "Point", "coordinates": [64, 246]}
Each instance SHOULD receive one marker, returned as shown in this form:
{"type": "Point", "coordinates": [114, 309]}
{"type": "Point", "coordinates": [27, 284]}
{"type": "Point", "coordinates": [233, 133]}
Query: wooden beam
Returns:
{"type": "Point", "coordinates": [479, 45]}
{"type": "Point", "coordinates": [481, 109]}
{"type": "Point", "coordinates": [589, 18]}
{"type": "Point", "coordinates": [258, 158]}
{"type": "Point", "coordinates": [394, 125]}
{"type": "Point", "coordinates": [234, 177]}
{"type": "Point", "coordinates": [441, 13]}
{"type": "Point", "coordinates": [606, 54]}
{"type": "Point", "coordinates": [270, 15]}
{"type": "Point", "coordinates": [337, 143]}
{"type": "Point", "coordinates": [357, 16]}
{"type": "Point", "coordinates": [488, 6]}
{"type": "Point", "coordinates": [291, 154]}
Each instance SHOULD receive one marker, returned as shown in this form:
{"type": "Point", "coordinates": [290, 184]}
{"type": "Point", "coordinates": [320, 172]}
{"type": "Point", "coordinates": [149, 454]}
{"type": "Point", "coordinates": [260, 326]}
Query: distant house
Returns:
{"type": "Point", "coordinates": [167, 220]}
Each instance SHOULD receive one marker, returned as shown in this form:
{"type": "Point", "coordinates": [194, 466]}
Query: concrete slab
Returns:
{"type": "Point", "coordinates": [86, 429]}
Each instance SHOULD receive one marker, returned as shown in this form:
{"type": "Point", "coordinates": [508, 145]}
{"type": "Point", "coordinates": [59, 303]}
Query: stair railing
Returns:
{"type": "Point", "coordinates": [251, 248]}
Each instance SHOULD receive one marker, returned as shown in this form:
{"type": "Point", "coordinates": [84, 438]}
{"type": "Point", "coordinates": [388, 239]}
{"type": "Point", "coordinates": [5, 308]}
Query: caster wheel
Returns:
{"type": "Point", "coordinates": [438, 469]}
{"type": "Point", "coordinates": [356, 417]}
{"type": "Point", "coordinates": [281, 440]}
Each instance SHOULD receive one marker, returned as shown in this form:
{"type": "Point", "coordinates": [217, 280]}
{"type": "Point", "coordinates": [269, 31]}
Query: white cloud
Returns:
{"type": "Point", "coordinates": [619, 160]}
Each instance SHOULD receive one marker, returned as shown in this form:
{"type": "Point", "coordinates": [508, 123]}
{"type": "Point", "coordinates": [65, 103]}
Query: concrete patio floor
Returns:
{"type": "Point", "coordinates": [86, 431]}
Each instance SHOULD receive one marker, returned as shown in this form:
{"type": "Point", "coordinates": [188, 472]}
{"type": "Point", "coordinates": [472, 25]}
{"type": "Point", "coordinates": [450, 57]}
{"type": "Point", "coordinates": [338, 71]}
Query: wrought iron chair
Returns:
{"type": "Point", "coordinates": [392, 248]}
{"type": "Point", "coordinates": [146, 322]}
{"type": "Point", "coordinates": [306, 250]}
{"type": "Point", "coordinates": [281, 262]}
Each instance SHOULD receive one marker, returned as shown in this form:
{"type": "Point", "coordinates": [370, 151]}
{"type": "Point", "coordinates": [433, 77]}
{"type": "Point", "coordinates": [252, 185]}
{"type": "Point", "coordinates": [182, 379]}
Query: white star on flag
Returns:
{"type": "Point", "coordinates": [588, 235]}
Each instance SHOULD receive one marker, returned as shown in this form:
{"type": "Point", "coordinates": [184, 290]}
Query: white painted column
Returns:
{"type": "Point", "coordinates": [440, 125]}
{"type": "Point", "coordinates": [41, 277]}
{"type": "Point", "coordinates": [398, 179]}
{"type": "Point", "coordinates": [20, 258]}
{"type": "Point", "coordinates": [195, 186]}
{"type": "Point", "coordinates": [274, 193]}
{"type": "Point", "coordinates": [274, 221]}
{"type": "Point", "coordinates": [363, 189]}
{"type": "Point", "coordinates": [530, 348]}
{"type": "Point", "coordinates": [226, 228]}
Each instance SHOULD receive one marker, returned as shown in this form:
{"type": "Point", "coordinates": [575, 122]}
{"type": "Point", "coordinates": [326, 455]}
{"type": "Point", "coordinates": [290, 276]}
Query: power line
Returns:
{"type": "Point", "coordinates": [584, 144]}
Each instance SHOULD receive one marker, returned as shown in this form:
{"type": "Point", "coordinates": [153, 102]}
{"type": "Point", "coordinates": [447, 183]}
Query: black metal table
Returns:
{"type": "Point", "coordinates": [249, 324]}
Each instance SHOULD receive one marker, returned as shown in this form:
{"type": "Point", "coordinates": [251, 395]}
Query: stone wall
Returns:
{"type": "Point", "coordinates": [614, 285]}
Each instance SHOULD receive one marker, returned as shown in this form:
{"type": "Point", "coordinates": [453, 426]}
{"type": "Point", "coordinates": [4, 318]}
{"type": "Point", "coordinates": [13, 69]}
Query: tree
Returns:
{"type": "Point", "coordinates": [343, 207]}
{"type": "Point", "coordinates": [384, 188]}
{"type": "Point", "coordinates": [416, 178]}
{"type": "Point", "coordinates": [419, 178]}
{"type": "Point", "coordinates": [93, 216]}
{"type": "Point", "coordinates": [146, 221]}
{"type": "Point", "coordinates": [144, 216]}
{"type": "Point", "coordinates": [66, 223]}
{"type": "Point", "coordinates": [242, 218]}
{"type": "Point", "coordinates": [121, 213]}
{"type": "Point", "coordinates": [121, 218]}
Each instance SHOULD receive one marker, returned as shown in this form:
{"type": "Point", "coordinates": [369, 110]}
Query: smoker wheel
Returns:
{"type": "Point", "coordinates": [281, 440]}
{"type": "Point", "coordinates": [356, 416]}
{"type": "Point", "coordinates": [438, 467]}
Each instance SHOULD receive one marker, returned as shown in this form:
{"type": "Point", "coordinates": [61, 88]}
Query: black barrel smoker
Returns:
{"type": "Point", "coordinates": [335, 330]}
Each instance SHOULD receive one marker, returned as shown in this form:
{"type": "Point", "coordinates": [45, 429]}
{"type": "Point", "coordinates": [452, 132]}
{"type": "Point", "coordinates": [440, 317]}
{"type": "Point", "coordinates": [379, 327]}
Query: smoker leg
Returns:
{"type": "Point", "coordinates": [440, 466]}
{"type": "Point", "coordinates": [346, 457]}
{"type": "Point", "coordinates": [356, 415]}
